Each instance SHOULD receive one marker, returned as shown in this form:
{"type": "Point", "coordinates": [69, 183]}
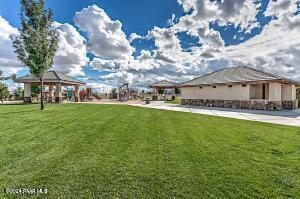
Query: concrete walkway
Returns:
{"type": "Point", "coordinates": [285, 117]}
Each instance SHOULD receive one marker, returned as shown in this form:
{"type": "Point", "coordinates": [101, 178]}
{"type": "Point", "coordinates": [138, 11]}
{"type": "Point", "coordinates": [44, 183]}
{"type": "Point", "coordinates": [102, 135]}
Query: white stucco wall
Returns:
{"type": "Point", "coordinates": [222, 92]}
{"type": "Point", "coordinates": [275, 91]}
{"type": "Point", "coordinates": [256, 91]}
{"type": "Point", "coordinates": [288, 92]}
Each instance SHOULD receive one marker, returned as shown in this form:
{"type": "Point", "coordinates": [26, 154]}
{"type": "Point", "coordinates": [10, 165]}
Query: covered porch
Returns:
{"type": "Point", "coordinates": [280, 92]}
{"type": "Point", "coordinates": [55, 81]}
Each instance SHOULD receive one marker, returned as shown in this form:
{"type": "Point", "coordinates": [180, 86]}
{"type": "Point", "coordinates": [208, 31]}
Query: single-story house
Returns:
{"type": "Point", "coordinates": [241, 87]}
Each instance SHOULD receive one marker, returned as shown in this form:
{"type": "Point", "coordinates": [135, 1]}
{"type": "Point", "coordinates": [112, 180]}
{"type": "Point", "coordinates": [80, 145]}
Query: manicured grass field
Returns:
{"type": "Point", "coordinates": [176, 101]}
{"type": "Point", "coordinates": [105, 151]}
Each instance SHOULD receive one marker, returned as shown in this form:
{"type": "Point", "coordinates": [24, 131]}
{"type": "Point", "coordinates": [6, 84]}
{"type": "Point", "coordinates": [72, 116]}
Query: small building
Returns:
{"type": "Point", "coordinates": [163, 90]}
{"type": "Point", "coordinates": [55, 81]}
{"type": "Point", "coordinates": [241, 87]}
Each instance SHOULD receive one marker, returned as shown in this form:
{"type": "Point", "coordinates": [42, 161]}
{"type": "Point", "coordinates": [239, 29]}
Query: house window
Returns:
{"type": "Point", "coordinates": [214, 87]}
{"type": "Point", "coordinates": [230, 86]}
{"type": "Point", "coordinates": [244, 85]}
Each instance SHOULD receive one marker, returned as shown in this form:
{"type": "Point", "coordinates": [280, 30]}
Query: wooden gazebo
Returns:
{"type": "Point", "coordinates": [51, 79]}
{"type": "Point", "coordinates": [164, 84]}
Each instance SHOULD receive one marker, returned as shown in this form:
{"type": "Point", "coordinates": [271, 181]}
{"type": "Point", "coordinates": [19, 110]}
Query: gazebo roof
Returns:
{"type": "Point", "coordinates": [163, 84]}
{"type": "Point", "coordinates": [51, 77]}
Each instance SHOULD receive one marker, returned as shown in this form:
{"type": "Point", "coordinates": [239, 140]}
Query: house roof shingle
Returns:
{"type": "Point", "coordinates": [50, 76]}
{"type": "Point", "coordinates": [235, 75]}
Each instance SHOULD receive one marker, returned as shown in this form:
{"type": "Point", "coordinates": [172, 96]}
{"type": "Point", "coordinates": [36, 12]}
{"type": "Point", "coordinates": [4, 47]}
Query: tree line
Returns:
{"type": "Point", "coordinates": [18, 93]}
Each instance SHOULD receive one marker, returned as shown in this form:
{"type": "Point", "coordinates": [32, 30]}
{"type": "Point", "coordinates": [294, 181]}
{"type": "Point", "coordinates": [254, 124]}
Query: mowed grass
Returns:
{"type": "Point", "coordinates": [177, 100]}
{"type": "Point", "coordinates": [116, 151]}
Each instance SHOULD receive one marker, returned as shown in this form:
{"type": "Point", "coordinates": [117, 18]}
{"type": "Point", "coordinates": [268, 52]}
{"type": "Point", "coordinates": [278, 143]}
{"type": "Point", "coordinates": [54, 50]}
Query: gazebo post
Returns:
{"type": "Point", "coordinates": [27, 93]}
{"type": "Point", "coordinates": [51, 93]}
{"type": "Point", "coordinates": [58, 95]}
{"type": "Point", "coordinates": [155, 93]}
{"type": "Point", "coordinates": [77, 97]}
{"type": "Point", "coordinates": [173, 93]}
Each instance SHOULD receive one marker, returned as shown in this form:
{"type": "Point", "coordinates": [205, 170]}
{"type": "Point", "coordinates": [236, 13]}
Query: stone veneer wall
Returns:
{"type": "Point", "coordinates": [238, 104]}
{"type": "Point", "coordinates": [289, 104]}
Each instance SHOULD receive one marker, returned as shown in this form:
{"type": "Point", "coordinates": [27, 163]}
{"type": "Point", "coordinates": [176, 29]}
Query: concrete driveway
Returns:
{"type": "Point", "coordinates": [285, 117]}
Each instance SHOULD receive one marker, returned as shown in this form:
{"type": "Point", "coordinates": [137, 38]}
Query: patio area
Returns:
{"type": "Point", "coordinates": [284, 117]}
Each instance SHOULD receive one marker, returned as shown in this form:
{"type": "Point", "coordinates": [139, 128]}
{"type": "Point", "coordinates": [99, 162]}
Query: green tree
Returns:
{"type": "Point", "coordinates": [35, 91]}
{"type": "Point", "coordinates": [19, 93]}
{"type": "Point", "coordinates": [36, 44]}
{"type": "Point", "coordinates": [161, 91]}
{"type": "Point", "coordinates": [4, 93]}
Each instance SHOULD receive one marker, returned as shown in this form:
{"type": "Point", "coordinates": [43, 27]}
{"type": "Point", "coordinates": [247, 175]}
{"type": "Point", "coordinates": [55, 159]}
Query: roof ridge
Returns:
{"type": "Point", "coordinates": [55, 73]}
{"type": "Point", "coordinates": [262, 71]}
{"type": "Point", "coordinates": [273, 75]}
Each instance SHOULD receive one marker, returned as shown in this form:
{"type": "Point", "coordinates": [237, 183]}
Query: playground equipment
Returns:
{"type": "Point", "coordinates": [86, 94]}
{"type": "Point", "coordinates": [113, 94]}
{"type": "Point", "coordinates": [123, 94]}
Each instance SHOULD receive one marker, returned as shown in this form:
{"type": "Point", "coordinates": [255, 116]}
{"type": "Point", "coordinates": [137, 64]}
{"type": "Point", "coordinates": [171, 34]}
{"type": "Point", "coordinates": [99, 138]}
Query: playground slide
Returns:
{"type": "Point", "coordinates": [96, 96]}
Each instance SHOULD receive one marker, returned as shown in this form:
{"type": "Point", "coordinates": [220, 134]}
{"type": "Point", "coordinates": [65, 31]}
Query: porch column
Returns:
{"type": "Point", "coordinates": [77, 97]}
{"type": "Point", "coordinates": [275, 91]}
{"type": "Point", "coordinates": [51, 94]}
{"type": "Point", "coordinates": [173, 90]}
{"type": "Point", "coordinates": [288, 92]}
{"type": "Point", "coordinates": [154, 93]}
{"type": "Point", "coordinates": [58, 95]}
{"type": "Point", "coordinates": [173, 93]}
{"type": "Point", "coordinates": [27, 93]}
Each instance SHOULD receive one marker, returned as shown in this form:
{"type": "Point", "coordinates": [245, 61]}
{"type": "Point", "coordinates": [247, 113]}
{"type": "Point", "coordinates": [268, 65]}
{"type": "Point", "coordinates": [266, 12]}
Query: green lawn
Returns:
{"type": "Point", "coordinates": [176, 101]}
{"type": "Point", "coordinates": [111, 151]}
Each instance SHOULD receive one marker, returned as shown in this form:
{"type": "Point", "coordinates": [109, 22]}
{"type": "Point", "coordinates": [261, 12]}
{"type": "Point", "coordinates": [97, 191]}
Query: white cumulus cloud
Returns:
{"type": "Point", "coordinates": [237, 12]}
{"type": "Point", "coordinates": [105, 36]}
{"type": "Point", "coordinates": [276, 49]}
{"type": "Point", "coordinates": [71, 53]}
{"type": "Point", "coordinates": [8, 60]}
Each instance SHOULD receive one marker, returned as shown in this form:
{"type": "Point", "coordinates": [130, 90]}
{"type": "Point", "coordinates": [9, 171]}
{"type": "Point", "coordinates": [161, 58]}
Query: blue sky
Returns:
{"type": "Point", "coordinates": [174, 50]}
{"type": "Point", "coordinates": [137, 16]}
